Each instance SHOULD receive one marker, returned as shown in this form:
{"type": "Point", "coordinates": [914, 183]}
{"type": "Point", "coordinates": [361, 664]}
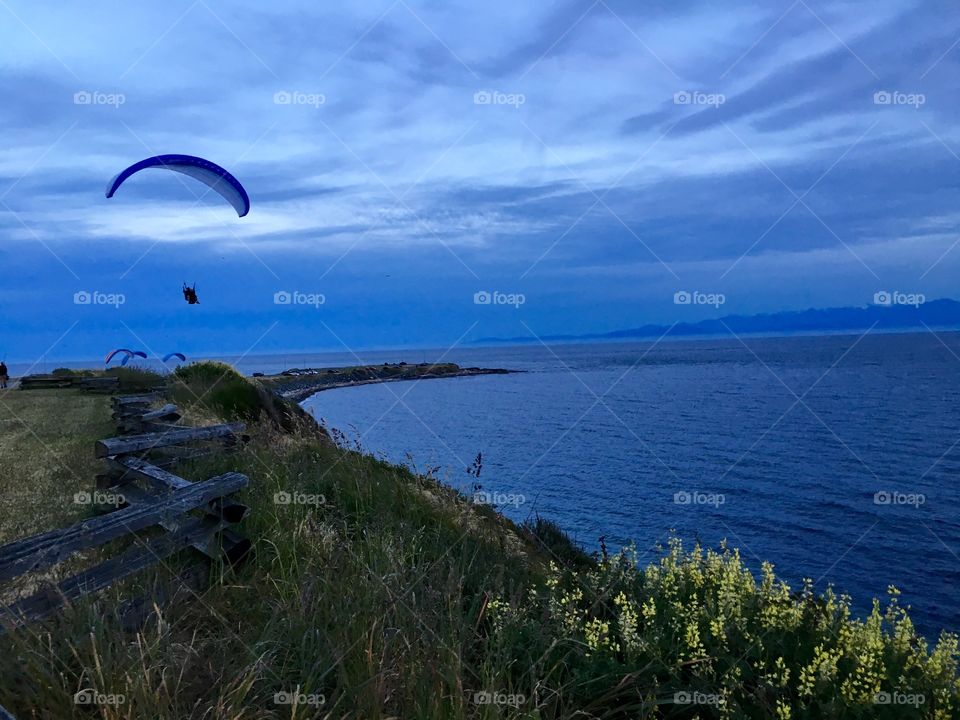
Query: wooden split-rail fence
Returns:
{"type": "Point", "coordinates": [176, 513]}
{"type": "Point", "coordinates": [108, 384]}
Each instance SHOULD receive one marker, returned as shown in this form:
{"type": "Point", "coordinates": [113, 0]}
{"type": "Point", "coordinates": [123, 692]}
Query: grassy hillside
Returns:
{"type": "Point", "coordinates": [374, 593]}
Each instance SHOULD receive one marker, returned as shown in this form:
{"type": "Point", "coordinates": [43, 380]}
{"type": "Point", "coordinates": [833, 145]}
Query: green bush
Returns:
{"type": "Point", "coordinates": [63, 371]}
{"type": "Point", "coordinates": [218, 388]}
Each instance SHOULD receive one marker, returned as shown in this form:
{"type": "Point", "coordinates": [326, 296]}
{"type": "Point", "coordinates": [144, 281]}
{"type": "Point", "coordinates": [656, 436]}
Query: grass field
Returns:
{"type": "Point", "coordinates": [46, 455]}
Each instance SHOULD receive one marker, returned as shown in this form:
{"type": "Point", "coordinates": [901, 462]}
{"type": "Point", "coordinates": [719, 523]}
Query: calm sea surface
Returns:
{"type": "Point", "coordinates": [836, 458]}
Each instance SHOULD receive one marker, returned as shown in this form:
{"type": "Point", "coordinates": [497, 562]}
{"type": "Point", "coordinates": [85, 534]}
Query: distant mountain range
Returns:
{"type": "Point", "coordinates": [893, 316]}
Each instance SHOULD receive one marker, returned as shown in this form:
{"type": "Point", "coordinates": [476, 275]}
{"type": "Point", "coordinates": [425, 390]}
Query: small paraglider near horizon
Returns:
{"type": "Point", "coordinates": [190, 294]}
{"type": "Point", "coordinates": [181, 356]}
{"type": "Point", "coordinates": [126, 359]}
{"type": "Point", "coordinates": [210, 174]}
{"type": "Point", "coordinates": [135, 353]}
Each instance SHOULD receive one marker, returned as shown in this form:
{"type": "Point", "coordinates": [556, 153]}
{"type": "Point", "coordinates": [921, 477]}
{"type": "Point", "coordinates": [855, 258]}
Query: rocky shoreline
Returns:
{"type": "Point", "coordinates": [298, 384]}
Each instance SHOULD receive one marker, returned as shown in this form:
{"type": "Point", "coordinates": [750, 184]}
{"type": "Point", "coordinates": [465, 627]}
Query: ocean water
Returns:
{"type": "Point", "coordinates": [835, 458]}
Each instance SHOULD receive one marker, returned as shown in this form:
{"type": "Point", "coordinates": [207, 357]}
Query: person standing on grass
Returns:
{"type": "Point", "coordinates": [4, 375]}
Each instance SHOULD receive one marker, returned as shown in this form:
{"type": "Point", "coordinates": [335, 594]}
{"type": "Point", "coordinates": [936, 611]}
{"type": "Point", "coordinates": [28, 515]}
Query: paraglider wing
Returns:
{"type": "Point", "coordinates": [183, 358]}
{"type": "Point", "coordinates": [210, 174]}
{"type": "Point", "coordinates": [109, 357]}
{"type": "Point", "coordinates": [133, 353]}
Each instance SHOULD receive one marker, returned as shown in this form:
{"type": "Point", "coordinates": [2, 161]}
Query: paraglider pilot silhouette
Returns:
{"type": "Point", "coordinates": [190, 294]}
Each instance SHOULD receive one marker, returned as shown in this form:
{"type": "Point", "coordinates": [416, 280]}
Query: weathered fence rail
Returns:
{"type": "Point", "coordinates": [165, 438]}
{"type": "Point", "coordinates": [42, 551]}
{"type": "Point", "coordinates": [175, 512]}
{"type": "Point", "coordinates": [232, 546]}
{"type": "Point", "coordinates": [93, 384]}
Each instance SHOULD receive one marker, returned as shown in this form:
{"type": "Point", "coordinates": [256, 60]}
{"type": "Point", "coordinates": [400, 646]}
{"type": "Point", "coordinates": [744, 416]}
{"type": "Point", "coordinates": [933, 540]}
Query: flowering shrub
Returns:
{"type": "Point", "coordinates": [696, 635]}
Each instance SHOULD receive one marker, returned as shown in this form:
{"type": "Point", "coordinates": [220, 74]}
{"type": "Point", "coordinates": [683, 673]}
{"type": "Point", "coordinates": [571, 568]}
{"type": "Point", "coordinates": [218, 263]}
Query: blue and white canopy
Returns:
{"type": "Point", "coordinates": [210, 174]}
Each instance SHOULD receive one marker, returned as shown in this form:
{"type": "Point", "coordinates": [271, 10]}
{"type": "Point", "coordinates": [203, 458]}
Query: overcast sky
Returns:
{"type": "Point", "coordinates": [402, 156]}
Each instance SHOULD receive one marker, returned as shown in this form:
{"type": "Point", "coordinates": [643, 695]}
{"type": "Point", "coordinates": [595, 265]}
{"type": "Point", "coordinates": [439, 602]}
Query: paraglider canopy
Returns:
{"type": "Point", "coordinates": [210, 174]}
{"type": "Point", "coordinates": [183, 358]}
{"type": "Point", "coordinates": [112, 353]}
{"type": "Point", "coordinates": [126, 359]}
